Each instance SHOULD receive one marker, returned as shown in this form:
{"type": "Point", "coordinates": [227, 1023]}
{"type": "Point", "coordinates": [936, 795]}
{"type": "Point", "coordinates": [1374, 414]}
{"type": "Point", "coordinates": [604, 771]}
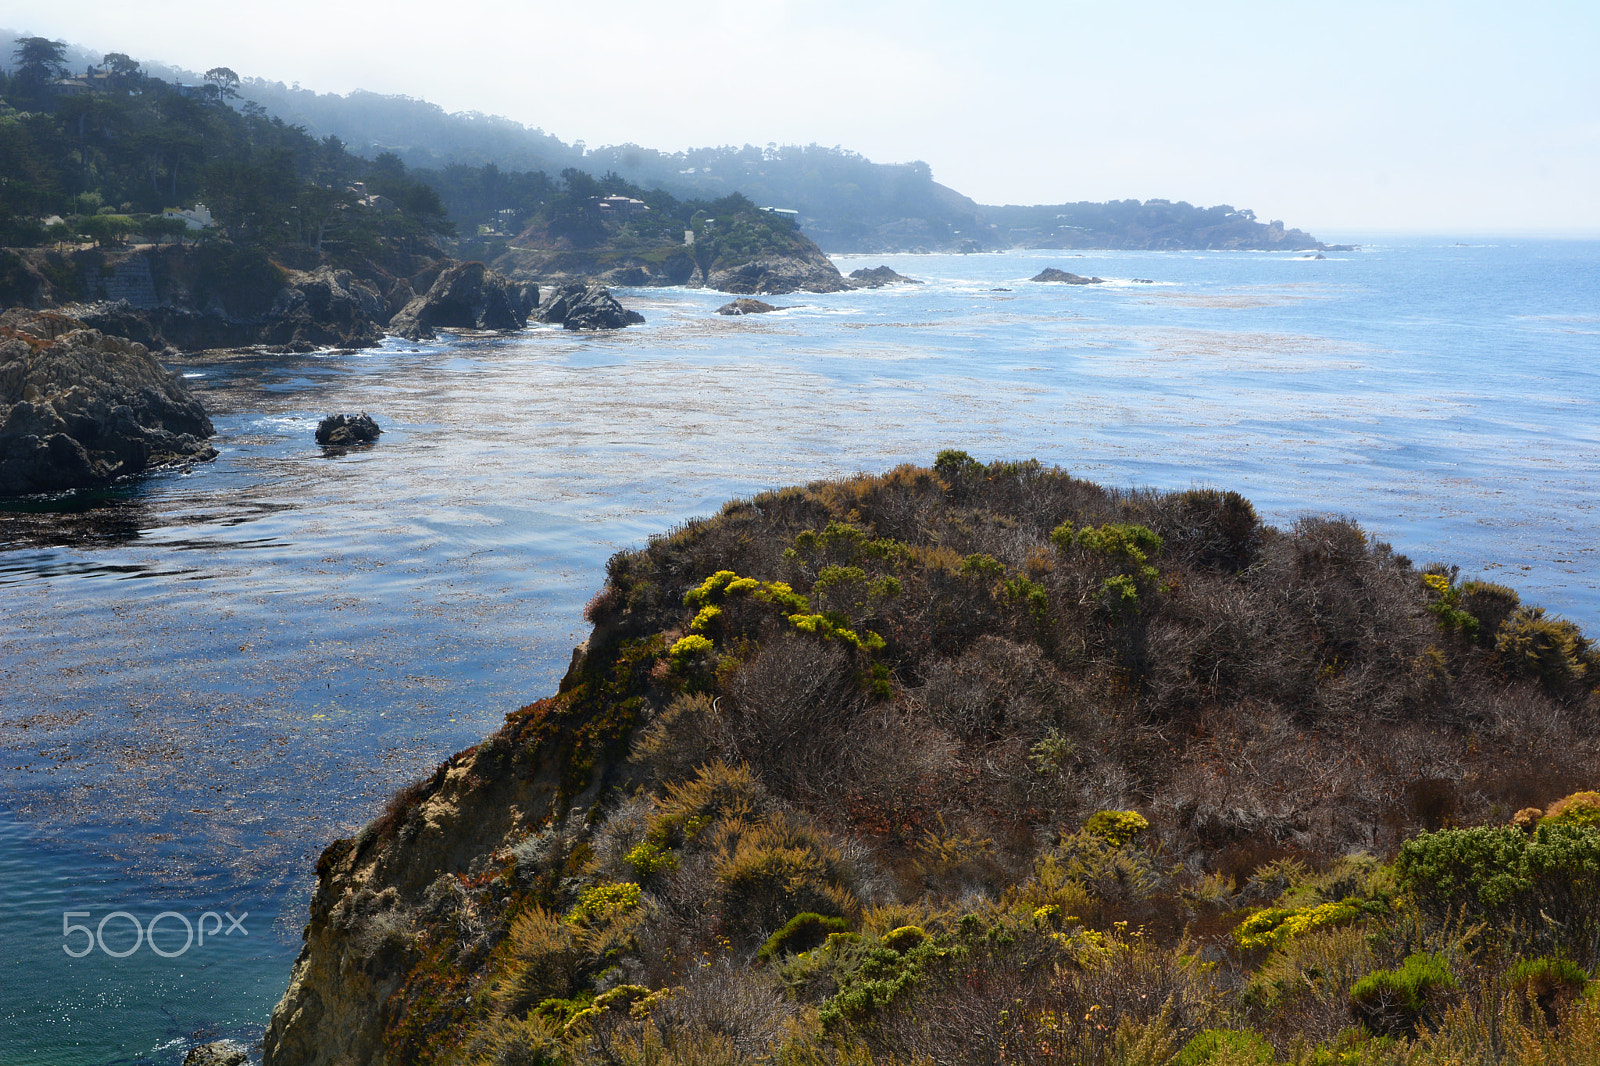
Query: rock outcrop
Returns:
{"type": "Point", "coordinates": [336, 430]}
{"type": "Point", "coordinates": [81, 408]}
{"type": "Point", "coordinates": [217, 1053]}
{"type": "Point", "coordinates": [326, 308]}
{"type": "Point", "coordinates": [746, 306]}
{"type": "Point", "coordinates": [878, 277]}
{"type": "Point", "coordinates": [779, 275]}
{"type": "Point", "coordinates": [1066, 277]}
{"type": "Point", "coordinates": [466, 296]}
{"type": "Point", "coordinates": [586, 307]}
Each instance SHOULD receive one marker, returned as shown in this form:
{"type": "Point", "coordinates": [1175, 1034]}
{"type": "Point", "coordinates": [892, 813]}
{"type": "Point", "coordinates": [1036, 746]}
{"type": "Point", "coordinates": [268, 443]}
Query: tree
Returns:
{"type": "Point", "coordinates": [224, 83]}
{"type": "Point", "coordinates": [106, 230]}
{"type": "Point", "coordinates": [157, 226]}
{"type": "Point", "coordinates": [39, 60]}
{"type": "Point", "coordinates": [122, 68]}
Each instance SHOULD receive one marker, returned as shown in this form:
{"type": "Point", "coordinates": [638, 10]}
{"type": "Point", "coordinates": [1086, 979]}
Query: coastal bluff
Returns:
{"type": "Point", "coordinates": [845, 751]}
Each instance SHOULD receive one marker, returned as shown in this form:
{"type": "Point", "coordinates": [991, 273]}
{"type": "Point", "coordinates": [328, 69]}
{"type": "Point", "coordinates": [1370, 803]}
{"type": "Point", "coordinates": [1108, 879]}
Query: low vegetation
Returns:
{"type": "Point", "coordinates": [982, 763]}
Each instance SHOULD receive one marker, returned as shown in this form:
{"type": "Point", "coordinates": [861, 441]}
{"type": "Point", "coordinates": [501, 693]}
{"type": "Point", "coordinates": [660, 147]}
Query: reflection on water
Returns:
{"type": "Point", "coordinates": [211, 673]}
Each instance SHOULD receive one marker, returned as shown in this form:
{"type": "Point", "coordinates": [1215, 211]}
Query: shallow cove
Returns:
{"type": "Point", "coordinates": [210, 675]}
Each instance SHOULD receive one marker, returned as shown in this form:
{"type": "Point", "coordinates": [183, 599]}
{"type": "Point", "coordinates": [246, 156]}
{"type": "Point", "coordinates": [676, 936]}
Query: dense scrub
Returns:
{"type": "Point", "coordinates": [983, 763]}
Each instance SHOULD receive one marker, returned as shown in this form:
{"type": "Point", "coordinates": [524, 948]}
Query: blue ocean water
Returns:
{"type": "Point", "coordinates": [207, 676]}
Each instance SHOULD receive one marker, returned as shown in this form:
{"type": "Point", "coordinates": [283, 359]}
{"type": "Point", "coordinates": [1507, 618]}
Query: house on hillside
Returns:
{"type": "Point", "coordinates": [617, 208]}
{"type": "Point", "coordinates": [196, 217]}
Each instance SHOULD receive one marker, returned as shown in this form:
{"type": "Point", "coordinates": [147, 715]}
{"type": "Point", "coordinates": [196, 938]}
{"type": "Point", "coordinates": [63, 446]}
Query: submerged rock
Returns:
{"type": "Point", "coordinates": [878, 277]}
{"type": "Point", "coordinates": [746, 306]}
{"type": "Point", "coordinates": [1066, 277]}
{"type": "Point", "coordinates": [587, 307]}
{"type": "Point", "coordinates": [347, 429]}
{"type": "Point", "coordinates": [79, 408]}
{"type": "Point", "coordinates": [466, 296]}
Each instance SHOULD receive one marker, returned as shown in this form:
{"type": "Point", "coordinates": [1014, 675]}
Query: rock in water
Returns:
{"type": "Point", "coordinates": [347, 429]}
{"type": "Point", "coordinates": [1066, 277]}
{"type": "Point", "coordinates": [466, 296]}
{"type": "Point", "coordinates": [79, 408]}
{"type": "Point", "coordinates": [219, 1053]}
{"type": "Point", "coordinates": [325, 308]}
{"type": "Point", "coordinates": [745, 306]}
{"type": "Point", "coordinates": [587, 307]}
{"type": "Point", "coordinates": [878, 277]}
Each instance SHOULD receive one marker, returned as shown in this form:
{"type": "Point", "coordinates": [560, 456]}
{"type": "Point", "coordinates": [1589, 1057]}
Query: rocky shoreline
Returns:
{"type": "Point", "coordinates": [83, 408]}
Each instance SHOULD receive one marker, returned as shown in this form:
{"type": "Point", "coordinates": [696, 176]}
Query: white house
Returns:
{"type": "Point", "coordinates": [196, 217]}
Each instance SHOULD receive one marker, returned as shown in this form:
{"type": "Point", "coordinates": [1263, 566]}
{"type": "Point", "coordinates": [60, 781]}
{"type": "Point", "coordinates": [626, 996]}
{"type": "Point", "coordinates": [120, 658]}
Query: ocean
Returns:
{"type": "Point", "coordinates": [208, 675]}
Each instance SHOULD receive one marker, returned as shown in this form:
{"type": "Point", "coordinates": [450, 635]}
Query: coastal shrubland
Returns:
{"type": "Point", "coordinates": [982, 762]}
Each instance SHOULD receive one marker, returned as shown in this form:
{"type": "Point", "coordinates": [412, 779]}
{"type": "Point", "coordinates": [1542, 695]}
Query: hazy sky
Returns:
{"type": "Point", "coordinates": [1334, 116]}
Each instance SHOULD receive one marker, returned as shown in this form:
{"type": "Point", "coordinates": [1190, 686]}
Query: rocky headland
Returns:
{"type": "Point", "coordinates": [984, 741]}
{"type": "Point", "coordinates": [80, 408]}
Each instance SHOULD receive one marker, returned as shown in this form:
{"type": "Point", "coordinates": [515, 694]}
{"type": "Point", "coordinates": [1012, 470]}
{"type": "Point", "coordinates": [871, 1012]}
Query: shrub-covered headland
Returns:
{"type": "Point", "coordinates": [985, 763]}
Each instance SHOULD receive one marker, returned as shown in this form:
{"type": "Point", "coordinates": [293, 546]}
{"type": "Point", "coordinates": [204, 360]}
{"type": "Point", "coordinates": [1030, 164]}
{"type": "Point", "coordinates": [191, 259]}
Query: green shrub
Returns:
{"type": "Point", "coordinates": [691, 647]}
{"type": "Point", "coordinates": [904, 938]}
{"type": "Point", "coordinates": [1447, 607]}
{"type": "Point", "coordinates": [1491, 605]}
{"type": "Point", "coordinates": [1395, 1002]}
{"type": "Point", "coordinates": [1541, 891]}
{"type": "Point", "coordinates": [1116, 827]}
{"type": "Point", "coordinates": [1234, 1046]}
{"type": "Point", "coordinates": [953, 463]}
{"type": "Point", "coordinates": [1580, 808]}
{"type": "Point", "coordinates": [648, 859]}
{"type": "Point", "coordinates": [1273, 926]}
{"type": "Point", "coordinates": [801, 933]}
{"type": "Point", "coordinates": [1550, 650]}
{"type": "Point", "coordinates": [604, 901]}
{"type": "Point", "coordinates": [1549, 983]}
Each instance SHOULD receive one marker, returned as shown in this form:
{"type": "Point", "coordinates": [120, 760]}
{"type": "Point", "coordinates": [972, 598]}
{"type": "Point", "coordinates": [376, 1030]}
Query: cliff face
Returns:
{"type": "Point", "coordinates": [978, 721]}
{"type": "Point", "coordinates": [374, 896]}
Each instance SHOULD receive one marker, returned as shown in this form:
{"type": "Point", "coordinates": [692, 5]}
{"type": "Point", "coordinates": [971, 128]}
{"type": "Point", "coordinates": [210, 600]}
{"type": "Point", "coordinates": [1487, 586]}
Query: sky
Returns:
{"type": "Point", "coordinates": [1337, 117]}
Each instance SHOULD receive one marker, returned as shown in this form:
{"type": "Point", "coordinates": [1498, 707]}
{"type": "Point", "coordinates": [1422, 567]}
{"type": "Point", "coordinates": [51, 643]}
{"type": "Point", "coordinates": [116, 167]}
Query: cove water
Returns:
{"type": "Point", "coordinates": [207, 676]}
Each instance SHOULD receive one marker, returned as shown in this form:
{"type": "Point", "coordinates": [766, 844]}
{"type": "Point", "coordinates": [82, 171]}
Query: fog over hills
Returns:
{"type": "Point", "coordinates": [845, 201]}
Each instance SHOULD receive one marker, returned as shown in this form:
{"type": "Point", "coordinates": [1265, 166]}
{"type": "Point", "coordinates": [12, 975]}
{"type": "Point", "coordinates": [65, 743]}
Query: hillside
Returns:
{"type": "Point", "coordinates": [984, 763]}
{"type": "Point", "coordinates": [846, 202]}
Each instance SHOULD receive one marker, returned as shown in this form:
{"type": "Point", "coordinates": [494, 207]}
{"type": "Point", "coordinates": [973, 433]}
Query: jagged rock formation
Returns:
{"type": "Point", "coordinates": [746, 306]}
{"type": "Point", "coordinates": [82, 408]}
{"type": "Point", "coordinates": [1066, 277]}
{"type": "Point", "coordinates": [878, 277]}
{"type": "Point", "coordinates": [337, 430]}
{"type": "Point", "coordinates": [586, 307]}
{"type": "Point", "coordinates": [466, 296]}
{"type": "Point", "coordinates": [326, 308]}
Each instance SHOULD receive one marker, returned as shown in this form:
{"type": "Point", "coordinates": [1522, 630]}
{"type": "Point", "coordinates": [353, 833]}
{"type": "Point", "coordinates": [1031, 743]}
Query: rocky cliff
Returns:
{"type": "Point", "coordinates": [81, 408]}
{"type": "Point", "coordinates": [849, 756]}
